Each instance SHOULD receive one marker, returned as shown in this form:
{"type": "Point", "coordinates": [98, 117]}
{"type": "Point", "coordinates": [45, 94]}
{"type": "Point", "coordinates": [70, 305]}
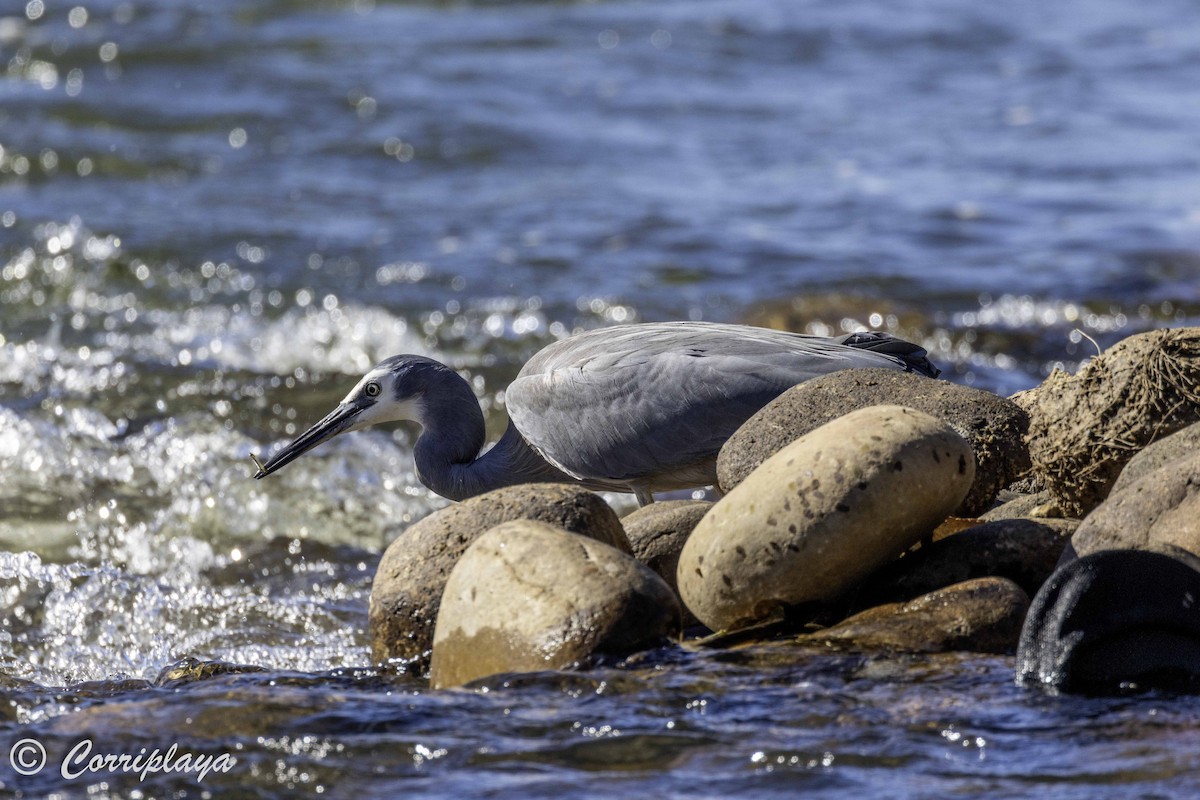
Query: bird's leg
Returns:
{"type": "Point", "coordinates": [644, 496]}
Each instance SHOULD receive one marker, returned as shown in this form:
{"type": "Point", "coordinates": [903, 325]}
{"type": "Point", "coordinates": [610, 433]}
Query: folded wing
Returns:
{"type": "Point", "coordinates": [629, 403]}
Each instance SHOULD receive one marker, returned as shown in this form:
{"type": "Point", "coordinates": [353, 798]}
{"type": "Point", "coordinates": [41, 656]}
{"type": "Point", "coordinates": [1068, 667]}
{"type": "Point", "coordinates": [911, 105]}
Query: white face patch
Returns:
{"type": "Point", "coordinates": [383, 406]}
{"type": "Point", "coordinates": [382, 377]}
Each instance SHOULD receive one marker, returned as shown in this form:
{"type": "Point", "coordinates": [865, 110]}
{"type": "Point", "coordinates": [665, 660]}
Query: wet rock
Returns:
{"type": "Point", "coordinates": [1161, 508]}
{"type": "Point", "coordinates": [1025, 551]}
{"type": "Point", "coordinates": [408, 584]}
{"type": "Point", "coordinates": [190, 669]}
{"type": "Point", "coordinates": [822, 513]}
{"type": "Point", "coordinates": [1182, 443]}
{"type": "Point", "coordinates": [214, 711]}
{"type": "Point", "coordinates": [528, 596]}
{"type": "Point", "coordinates": [982, 615]}
{"type": "Point", "coordinates": [993, 426]}
{"type": "Point", "coordinates": [1085, 428]}
{"type": "Point", "coordinates": [1115, 621]}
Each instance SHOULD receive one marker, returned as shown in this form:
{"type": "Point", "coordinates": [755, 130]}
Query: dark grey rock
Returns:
{"type": "Point", "coordinates": [1026, 551]}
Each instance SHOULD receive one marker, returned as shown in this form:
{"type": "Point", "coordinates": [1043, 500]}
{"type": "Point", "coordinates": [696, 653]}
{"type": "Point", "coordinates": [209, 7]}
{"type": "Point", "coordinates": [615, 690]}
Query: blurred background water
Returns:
{"type": "Point", "coordinates": [213, 215]}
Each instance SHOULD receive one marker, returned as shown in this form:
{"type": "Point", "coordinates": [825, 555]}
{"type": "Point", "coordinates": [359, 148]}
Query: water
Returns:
{"type": "Point", "coordinates": [213, 215]}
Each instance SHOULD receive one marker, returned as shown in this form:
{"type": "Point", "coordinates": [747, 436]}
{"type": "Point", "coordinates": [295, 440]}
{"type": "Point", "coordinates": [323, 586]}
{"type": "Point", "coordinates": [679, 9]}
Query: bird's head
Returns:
{"type": "Point", "coordinates": [393, 390]}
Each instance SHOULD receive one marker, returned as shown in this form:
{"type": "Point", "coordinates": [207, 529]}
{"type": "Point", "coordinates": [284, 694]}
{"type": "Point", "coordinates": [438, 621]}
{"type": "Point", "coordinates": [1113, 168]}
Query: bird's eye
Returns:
{"type": "Point", "coordinates": [372, 389]}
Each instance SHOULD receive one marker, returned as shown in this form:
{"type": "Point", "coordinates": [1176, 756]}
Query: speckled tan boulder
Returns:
{"type": "Point", "coordinates": [408, 583]}
{"type": "Point", "coordinates": [822, 514]}
{"type": "Point", "coordinates": [528, 596]}
{"type": "Point", "coordinates": [994, 426]}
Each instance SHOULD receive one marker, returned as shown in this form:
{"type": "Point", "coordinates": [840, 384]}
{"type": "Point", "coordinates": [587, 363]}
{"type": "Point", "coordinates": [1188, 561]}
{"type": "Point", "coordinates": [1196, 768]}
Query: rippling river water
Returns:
{"type": "Point", "coordinates": [214, 215]}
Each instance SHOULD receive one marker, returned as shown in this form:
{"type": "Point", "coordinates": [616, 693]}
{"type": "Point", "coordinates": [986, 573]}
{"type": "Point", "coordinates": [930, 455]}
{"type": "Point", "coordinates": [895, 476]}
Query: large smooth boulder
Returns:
{"type": "Point", "coordinates": [823, 513]}
{"type": "Point", "coordinates": [407, 589]}
{"type": "Point", "coordinates": [528, 596]}
{"type": "Point", "coordinates": [982, 615]}
{"type": "Point", "coordinates": [994, 426]}
{"type": "Point", "coordinates": [1084, 428]}
{"type": "Point", "coordinates": [1113, 622]}
{"type": "Point", "coordinates": [1160, 509]}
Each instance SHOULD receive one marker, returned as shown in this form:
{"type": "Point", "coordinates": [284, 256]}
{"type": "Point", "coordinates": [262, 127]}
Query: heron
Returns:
{"type": "Point", "coordinates": [639, 408]}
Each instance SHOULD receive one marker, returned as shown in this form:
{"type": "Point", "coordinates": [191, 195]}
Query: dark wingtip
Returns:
{"type": "Point", "coordinates": [913, 356]}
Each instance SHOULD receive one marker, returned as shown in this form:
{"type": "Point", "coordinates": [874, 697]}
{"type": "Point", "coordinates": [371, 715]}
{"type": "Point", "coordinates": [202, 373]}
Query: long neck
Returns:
{"type": "Point", "coordinates": [447, 451]}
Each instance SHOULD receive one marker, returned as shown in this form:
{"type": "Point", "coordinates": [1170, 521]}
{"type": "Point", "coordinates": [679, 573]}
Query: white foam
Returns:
{"type": "Point", "coordinates": [346, 339]}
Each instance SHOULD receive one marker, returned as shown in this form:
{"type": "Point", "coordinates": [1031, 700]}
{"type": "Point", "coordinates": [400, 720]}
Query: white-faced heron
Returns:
{"type": "Point", "coordinates": [634, 408]}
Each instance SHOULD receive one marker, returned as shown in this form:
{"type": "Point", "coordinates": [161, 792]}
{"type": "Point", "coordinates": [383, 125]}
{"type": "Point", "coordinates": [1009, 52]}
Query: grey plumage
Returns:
{"type": "Point", "coordinates": [639, 408]}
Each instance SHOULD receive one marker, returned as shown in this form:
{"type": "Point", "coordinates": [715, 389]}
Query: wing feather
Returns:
{"type": "Point", "coordinates": [629, 403]}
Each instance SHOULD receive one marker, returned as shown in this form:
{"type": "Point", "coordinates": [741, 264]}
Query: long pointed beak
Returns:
{"type": "Point", "coordinates": [334, 423]}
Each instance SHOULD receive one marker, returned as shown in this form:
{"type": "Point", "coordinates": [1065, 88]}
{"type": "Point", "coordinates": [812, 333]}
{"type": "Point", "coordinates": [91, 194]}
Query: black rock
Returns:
{"type": "Point", "coordinates": [1115, 621]}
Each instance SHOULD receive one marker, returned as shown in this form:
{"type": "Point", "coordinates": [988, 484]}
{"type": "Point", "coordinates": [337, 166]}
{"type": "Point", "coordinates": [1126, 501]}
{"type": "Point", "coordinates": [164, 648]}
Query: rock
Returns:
{"type": "Point", "coordinates": [823, 513]}
{"type": "Point", "coordinates": [1158, 454]}
{"type": "Point", "coordinates": [1030, 484]}
{"type": "Point", "coordinates": [1112, 622]}
{"type": "Point", "coordinates": [190, 670]}
{"type": "Point", "coordinates": [1085, 428]}
{"type": "Point", "coordinates": [528, 596]}
{"type": "Point", "coordinates": [1026, 506]}
{"type": "Point", "coordinates": [408, 584]}
{"type": "Point", "coordinates": [1162, 508]}
{"type": "Point", "coordinates": [982, 615]}
{"type": "Point", "coordinates": [992, 425]}
{"type": "Point", "coordinates": [657, 532]}
{"type": "Point", "coordinates": [948, 527]}
{"type": "Point", "coordinates": [200, 718]}
{"type": "Point", "coordinates": [1025, 400]}
{"type": "Point", "coordinates": [1025, 551]}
